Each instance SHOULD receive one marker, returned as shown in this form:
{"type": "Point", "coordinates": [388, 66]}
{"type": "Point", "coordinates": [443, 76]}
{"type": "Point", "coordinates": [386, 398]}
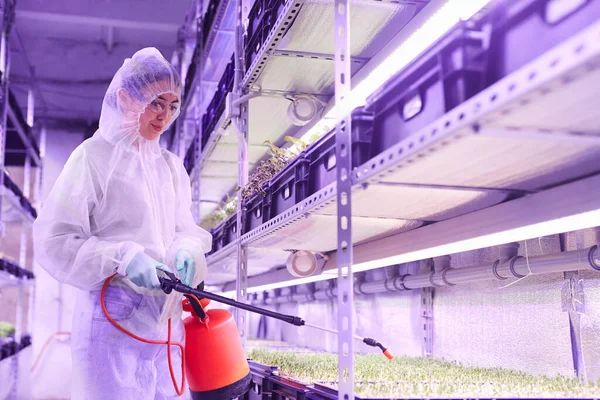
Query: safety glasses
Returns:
{"type": "Point", "coordinates": [159, 106]}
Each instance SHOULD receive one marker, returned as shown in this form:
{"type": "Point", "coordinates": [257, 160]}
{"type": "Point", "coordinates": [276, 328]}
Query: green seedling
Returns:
{"type": "Point", "coordinates": [406, 377]}
{"type": "Point", "coordinates": [280, 158]}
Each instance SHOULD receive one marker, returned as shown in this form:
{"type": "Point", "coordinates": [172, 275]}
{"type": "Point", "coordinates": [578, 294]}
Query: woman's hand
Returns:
{"type": "Point", "coordinates": [143, 271]}
{"type": "Point", "coordinates": [186, 266]}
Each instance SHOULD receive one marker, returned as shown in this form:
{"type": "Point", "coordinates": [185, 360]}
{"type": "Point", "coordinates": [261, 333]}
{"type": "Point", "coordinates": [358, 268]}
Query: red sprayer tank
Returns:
{"type": "Point", "coordinates": [215, 361]}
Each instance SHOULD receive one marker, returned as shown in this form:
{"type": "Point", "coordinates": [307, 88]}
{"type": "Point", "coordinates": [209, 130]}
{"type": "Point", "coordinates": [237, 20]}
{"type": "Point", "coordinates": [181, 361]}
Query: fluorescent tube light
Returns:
{"type": "Point", "coordinates": [282, 284]}
{"type": "Point", "coordinates": [571, 223]}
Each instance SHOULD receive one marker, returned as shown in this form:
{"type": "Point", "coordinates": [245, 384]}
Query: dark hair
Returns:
{"type": "Point", "coordinates": [156, 70]}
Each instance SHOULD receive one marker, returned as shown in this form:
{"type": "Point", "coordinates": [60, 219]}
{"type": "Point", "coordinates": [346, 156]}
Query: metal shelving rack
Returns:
{"type": "Point", "coordinates": [209, 65]}
{"type": "Point", "coordinates": [500, 128]}
{"type": "Point", "coordinates": [214, 164]}
{"type": "Point", "coordinates": [16, 209]}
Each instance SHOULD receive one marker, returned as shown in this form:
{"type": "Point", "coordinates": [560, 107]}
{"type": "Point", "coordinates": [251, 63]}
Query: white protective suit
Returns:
{"type": "Point", "coordinates": [120, 194]}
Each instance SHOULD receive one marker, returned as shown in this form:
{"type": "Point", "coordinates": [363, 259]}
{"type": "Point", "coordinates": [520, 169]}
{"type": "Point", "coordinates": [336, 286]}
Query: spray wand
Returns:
{"type": "Point", "coordinates": [173, 283]}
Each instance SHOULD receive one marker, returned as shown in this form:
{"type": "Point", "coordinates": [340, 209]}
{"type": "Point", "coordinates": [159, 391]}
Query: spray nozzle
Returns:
{"type": "Point", "coordinates": [374, 343]}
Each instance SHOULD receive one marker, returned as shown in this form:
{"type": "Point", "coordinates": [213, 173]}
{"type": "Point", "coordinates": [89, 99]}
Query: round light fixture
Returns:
{"type": "Point", "coordinates": [303, 109]}
{"type": "Point", "coordinates": [303, 263]}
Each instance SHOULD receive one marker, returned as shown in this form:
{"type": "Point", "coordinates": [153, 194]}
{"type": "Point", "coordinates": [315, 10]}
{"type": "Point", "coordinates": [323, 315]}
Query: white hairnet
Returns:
{"type": "Point", "coordinates": [120, 193]}
{"type": "Point", "coordinates": [140, 80]}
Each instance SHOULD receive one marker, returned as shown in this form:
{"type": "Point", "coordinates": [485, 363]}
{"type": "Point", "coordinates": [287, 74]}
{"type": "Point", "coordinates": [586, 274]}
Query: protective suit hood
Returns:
{"type": "Point", "coordinates": [139, 81]}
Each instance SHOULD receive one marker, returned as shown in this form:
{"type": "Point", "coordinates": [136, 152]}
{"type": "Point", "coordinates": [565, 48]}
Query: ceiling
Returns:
{"type": "Point", "coordinates": [76, 46]}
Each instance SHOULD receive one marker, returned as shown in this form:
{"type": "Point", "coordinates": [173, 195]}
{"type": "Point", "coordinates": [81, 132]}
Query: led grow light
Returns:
{"type": "Point", "coordinates": [283, 284]}
{"type": "Point", "coordinates": [571, 223]}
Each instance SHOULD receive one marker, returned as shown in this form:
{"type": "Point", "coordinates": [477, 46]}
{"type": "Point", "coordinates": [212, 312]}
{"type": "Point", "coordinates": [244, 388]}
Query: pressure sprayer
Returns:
{"type": "Point", "coordinates": [213, 359]}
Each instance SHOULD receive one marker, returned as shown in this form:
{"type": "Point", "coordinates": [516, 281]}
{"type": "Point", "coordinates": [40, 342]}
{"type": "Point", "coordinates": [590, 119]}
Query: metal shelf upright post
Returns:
{"type": "Point", "coordinates": [343, 141]}
{"type": "Point", "coordinates": [37, 203]}
{"type": "Point", "coordinates": [20, 198]}
{"type": "Point", "coordinates": [7, 8]}
{"type": "Point", "coordinates": [7, 13]}
{"type": "Point", "coordinates": [242, 140]}
{"type": "Point", "coordinates": [196, 87]}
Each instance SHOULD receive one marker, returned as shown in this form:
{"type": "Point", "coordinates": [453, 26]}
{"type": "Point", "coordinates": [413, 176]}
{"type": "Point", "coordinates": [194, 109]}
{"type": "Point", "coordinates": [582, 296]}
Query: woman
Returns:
{"type": "Point", "coordinates": [123, 205]}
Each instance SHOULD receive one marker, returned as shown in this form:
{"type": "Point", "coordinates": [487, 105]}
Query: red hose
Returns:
{"type": "Point", "coordinates": [179, 390]}
{"type": "Point", "coordinates": [39, 357]}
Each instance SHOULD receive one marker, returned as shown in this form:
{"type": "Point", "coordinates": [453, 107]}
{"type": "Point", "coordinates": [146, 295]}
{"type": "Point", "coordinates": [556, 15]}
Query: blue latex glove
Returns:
{"type": "Point", "coordinates": [186, 266]}
{"type": "Point", "coordinates": [143, 271]}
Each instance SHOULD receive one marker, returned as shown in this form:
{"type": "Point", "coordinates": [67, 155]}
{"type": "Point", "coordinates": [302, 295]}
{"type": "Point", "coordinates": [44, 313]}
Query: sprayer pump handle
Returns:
{"type": "Point", "coordinates": [197, 307]}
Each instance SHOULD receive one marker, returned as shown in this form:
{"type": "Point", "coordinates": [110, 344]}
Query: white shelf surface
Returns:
{"type": "Point", "coordinates": [12, 211]}
{"type": "Point", "coordinates": [8, 280]}
{"type": "Point", "coordinates": [7, 374]}
{"type": "Point", "coordinates": [534, 130]}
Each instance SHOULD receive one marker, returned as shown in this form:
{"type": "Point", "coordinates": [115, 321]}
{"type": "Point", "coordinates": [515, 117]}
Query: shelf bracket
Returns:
{"type": "Point", "coordinates": [572, 298]}
{"type": "Point", "coordinates": [316, 56]}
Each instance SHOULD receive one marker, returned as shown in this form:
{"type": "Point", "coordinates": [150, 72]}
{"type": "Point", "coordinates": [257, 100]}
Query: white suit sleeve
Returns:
{"type": "Point", "coordinates": [63, 242]}
{"type": "Point", "coordinates": [189, 235]}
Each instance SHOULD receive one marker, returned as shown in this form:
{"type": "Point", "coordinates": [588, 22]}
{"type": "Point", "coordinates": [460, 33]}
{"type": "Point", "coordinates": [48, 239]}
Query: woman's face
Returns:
{"type": "Point", "coordinates": [158, 115]}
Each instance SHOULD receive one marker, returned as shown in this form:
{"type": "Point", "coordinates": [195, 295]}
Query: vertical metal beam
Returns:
{"type": "Point", "coordinates": [23, 248]}
{"type": "Point", "coordinates": [24, 225]}
{"type": "Point", "coordinates": [197, 138]}
{"type": "Point", "coordinates": [4, 55]}
{"type": "Point", "coordinates": [345, 296]}
{"type": "Point", "coordinates": [573, 304]}
{"type": "Point", "coordinates": [37, 203]}
{"type": "Point", "coordinates": [196, 193]}
{"type": "Point", "coordinates": [18, 333]}
{"type": "Point", "coordinates": [179, 141]}
{"type": "Point", "coordinates": [427, 316]}
{"type": "Point", "coordinates": [39, 172]}
{"type": "Point", "coordinates": [30, 107]}
{"type": "Point", "coordinates": [109, 39]}
{"type": "Point", "coordinates": [242, 135]}
{"type": "Point", "coordinates": [196, 171]}
{"type": "Point", "coordinates": [6, 15]}
{"type": "Point", "coordinates": [4, 60]}
{"type": "Point", "coordinates": [175, 145]}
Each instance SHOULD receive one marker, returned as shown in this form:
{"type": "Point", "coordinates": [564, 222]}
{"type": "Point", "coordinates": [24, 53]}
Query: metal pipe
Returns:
{"type": "Point", "coordinates": [269, 301]}
{"type": "Point", "coordinates": [517, 267]}
{"type": "Point", "coordinates": [245, 98]}
{"type": "Point", "coordinates": [302, 297]}
{"type": "Point", "coordinates": [373, 287]}
{"type": "Point", "coordinates": [513, 267]}
{"type": "Point", "coordinates": [441, 263]}
{"type": "Point", "coordinates": [508, 251]}
{"type": "Point", "coordinates": [561, 262]}
{"type": "Point", "coordinates": [597, 234]}
{"type": "Point", "coordinates": [377, 274]}
{"type": "Point", "coordinates": [321, 295]}
{"type": "Point", "coordinates": [456, 276]}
